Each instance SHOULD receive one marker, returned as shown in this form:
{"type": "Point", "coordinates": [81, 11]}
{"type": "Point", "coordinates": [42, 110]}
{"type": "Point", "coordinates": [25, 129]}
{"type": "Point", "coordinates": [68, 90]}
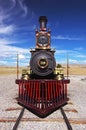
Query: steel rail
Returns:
{"type": "Point", "coordinates": [18, 119]}
{"type": "Point", "coordinates": [69, 127]}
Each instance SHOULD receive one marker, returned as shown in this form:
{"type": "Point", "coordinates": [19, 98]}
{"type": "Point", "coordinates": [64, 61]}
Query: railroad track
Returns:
{"type": "Point", "coordinates": [69, 127]}
{"type": "Point", "coordinates": [23, 119]}
{"type": "Point", "coordinates": [18, 119]}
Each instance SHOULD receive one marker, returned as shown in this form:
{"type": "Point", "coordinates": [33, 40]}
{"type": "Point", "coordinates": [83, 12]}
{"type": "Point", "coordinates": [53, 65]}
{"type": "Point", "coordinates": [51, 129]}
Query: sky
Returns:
{"type": "Point", "coordinates": [19, 19]}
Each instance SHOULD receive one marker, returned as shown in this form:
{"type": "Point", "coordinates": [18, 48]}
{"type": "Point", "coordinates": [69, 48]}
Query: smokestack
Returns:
{"type": "Point", "coordinates": [43, 22]}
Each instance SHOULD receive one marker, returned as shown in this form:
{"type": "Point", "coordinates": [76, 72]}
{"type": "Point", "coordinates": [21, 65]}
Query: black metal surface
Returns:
{"type": "Point", "coordinates": [18, 119]}
{"type": "Point", "coordinates": [43, 21]}
{"type": "Point", "coordinates": [39, 69]}
{"type": "Point", "coordinates": [66, 119]}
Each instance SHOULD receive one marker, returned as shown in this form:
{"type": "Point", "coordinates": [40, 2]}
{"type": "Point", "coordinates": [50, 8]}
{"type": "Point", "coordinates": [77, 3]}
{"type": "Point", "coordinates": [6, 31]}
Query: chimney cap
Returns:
{"type": "Point", "coordinates": [43, 18]}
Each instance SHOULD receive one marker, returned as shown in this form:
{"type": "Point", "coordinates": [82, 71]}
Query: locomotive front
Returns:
{"type": "Point", "coordinates": [42, 62]}
{"type": "Point", "coordinates": [42, 88]}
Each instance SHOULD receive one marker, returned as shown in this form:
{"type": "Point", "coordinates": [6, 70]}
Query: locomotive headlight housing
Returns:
{"type": "Point", "coordinates": [43, 63]}
{"type": "Point", "coordinates": [43, 40]}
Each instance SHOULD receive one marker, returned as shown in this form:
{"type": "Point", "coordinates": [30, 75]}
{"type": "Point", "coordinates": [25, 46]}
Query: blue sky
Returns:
{"type": "Point", "coordinates": [19, 19]}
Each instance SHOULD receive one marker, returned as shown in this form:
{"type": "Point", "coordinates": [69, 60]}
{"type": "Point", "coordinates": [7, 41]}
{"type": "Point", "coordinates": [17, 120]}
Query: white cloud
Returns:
{"type": "Point", "coordinates": [5, 41]}
{"type": "Point", "coordinates": [21, 56]}
{"type": "Point", "coordinates": [23, 7]}
{"type": "Point", "coordinates": [75, 57]}
{"type": "Point", "coordinates": [72, 61]}
{"type": "Point", "coordinates": [8, 55]}
{"type": "Point", "coordinates": [81, 56]}
{"type": "Point", "coordinates": [84, 61]}
{"type": "Point", "coordinates": [2, 62]}
{"type": "Point", "coordinates": [61, 51]}
{"type": "Point", "coordinates": [3, 17]}
{"type": "Point", "coordinates": [79, 48]}
{"type": "Point", "coordinates": [65, 38]}
{"type": "Point", "coordinates": [11, 50]}
{"type": "Point", "coordinates": [7, 29]}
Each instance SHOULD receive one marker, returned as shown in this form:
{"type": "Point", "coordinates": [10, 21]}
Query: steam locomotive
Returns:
{"type": "Point", "coordinates": [42, 89]}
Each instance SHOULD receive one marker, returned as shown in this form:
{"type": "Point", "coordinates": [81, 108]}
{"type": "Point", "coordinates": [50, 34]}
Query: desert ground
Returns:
{"type": "Point", "coordinates": [73, 70]}
{"type": "Point", "coordinates": [8, 70]}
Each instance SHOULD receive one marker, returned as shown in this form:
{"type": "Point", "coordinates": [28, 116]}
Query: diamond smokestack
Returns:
{"type": "Point", "coordinates": [43, 22]}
